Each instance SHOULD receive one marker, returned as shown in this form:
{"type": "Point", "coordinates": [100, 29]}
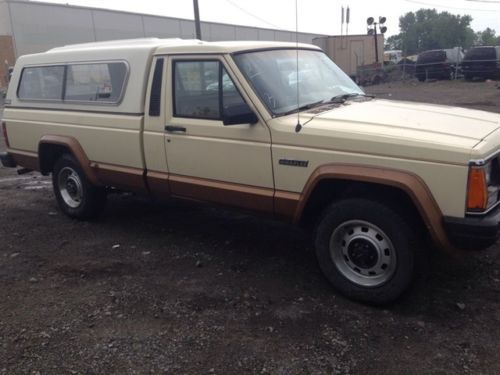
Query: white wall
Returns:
{"type": "Point", "coordinates": [5, 28]}
{"type": "Point", "coordinates": [37, 27]}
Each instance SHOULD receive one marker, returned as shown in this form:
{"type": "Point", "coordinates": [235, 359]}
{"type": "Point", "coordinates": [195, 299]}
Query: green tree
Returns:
{"type": "Point", "coordinates": [487, 38]}
{"type": "Point", "coordinates": [429, 29]}
{"type": "Point", "coordinates": [394, 42]}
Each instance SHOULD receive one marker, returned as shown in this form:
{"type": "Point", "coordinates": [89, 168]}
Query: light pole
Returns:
{"type": "Point", "coordinates": [372, 30]}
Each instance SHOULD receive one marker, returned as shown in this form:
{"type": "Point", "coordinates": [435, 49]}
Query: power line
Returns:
{"type": "Point", "coordinates": [485, 1]}
{"type": "Point", "coordinates": [253, 15]}
{"type": "Point", "coordinates": [448, 7]}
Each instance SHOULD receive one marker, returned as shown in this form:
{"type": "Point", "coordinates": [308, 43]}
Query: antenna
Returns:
{"type": "Point", "coordinates": [298, 127]}
{"type": "Point", "coordinates": [348, 16]}
{"type": "Point", "coordinates": [342, 22]}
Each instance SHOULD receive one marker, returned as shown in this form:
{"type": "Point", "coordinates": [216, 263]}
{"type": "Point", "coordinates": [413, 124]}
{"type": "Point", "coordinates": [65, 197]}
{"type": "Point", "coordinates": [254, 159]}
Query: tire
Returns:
{"type": "Point", "coordinates": [468, 77]}
{"type": "Point", "coordinates": [420, 78]}
{"type": "Point", "coordinates": [366, 250]}
{"type": "Point", "coordinates": [76, 196]}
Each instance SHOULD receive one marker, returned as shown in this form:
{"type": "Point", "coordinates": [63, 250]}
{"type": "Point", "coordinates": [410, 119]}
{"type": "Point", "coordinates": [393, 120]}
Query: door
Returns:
{"type": "Point", "coordinates": [207, 160]}
{"type": "Point", "coordinates": [356, 56]}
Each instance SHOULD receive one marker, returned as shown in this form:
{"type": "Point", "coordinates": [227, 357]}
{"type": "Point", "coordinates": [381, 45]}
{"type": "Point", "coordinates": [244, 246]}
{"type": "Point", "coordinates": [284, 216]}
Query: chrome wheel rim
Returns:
{"type": "Point", "coordinates": [363, 253]}
{"type": "Point", "coordinates": [70, 187]}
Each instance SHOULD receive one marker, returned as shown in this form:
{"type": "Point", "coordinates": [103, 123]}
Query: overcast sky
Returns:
{"type": "Point", "coordinates": [315, 16]}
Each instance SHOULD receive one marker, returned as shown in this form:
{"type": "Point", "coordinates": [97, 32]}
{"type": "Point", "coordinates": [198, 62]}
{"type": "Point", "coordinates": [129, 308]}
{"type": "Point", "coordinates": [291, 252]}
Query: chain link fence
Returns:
{"type": "Point", "coordinates": [407, 70]}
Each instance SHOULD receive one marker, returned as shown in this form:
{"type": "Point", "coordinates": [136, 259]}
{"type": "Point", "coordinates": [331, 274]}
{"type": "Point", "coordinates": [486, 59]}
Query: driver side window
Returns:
{"type": "Point", "coordinates": [202, 89]}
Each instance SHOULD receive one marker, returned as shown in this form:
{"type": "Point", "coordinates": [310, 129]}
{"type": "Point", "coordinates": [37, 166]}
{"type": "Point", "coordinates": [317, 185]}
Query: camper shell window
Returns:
{"type": "Point", "coordinates": [102, 82]}
{"type": "Point", "coordinates": [42, 83]}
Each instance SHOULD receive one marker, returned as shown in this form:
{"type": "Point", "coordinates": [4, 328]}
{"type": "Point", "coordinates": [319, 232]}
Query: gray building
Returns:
{"type": "Point", "coordinates": [31, 27]}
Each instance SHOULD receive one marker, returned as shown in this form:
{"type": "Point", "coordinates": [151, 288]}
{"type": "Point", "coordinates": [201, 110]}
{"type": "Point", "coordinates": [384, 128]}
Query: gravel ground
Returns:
{"type": "Point", "coordinates": [176, 287]}
{"type": "Point", "coordinates": [483, 95]}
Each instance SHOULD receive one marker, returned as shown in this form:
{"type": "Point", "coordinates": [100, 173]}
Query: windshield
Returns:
{"type": "Point", "coordinates": [274, 76]}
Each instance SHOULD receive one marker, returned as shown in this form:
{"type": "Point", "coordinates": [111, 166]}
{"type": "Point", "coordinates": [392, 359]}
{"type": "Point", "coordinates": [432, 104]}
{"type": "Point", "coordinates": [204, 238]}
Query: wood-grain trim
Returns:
{"type": "Point", "coordinates": [226, 193]}
{"type": "Point", "coordinates": [410, 183]}
{"type": "Point", "coordinates": [76, 149]}
{"type": "Point", "coordinates": [126, 178]}
{"type": "Point", "coordinates": [286, 204]}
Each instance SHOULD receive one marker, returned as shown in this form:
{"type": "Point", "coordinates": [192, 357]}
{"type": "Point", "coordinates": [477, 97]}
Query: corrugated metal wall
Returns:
{"type": "Point", "coordinates": [37, 27]}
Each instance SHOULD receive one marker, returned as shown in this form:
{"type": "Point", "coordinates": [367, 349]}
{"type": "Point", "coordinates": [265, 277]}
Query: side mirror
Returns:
{"type": "Point", "coordinates": [239, 114]}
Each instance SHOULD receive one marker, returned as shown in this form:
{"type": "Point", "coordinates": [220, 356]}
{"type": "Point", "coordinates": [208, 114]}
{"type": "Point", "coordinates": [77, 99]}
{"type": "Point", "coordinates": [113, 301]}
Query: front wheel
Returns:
{"type": "Point", "coordinates": [76, 196]}
{"type": "Point", "coordinates": [366, 250]}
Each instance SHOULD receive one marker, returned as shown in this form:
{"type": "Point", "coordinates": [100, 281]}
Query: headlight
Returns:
{"type": "Point", "coordinates": [483, 187]}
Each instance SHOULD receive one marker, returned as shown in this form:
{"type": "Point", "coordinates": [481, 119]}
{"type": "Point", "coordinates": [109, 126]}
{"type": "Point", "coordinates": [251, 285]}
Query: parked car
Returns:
{"type": "Point", "coordinates": [438, 64]}
{"type": "Point", "coordinates": [374, 179]}
{"type": "Point", "coordinates": [481, 62]}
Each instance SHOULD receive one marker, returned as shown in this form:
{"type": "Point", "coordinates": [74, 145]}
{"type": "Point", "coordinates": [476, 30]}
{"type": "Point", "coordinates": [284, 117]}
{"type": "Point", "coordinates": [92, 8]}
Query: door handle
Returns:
{"type": "Point", "coordinates": [174, 128]}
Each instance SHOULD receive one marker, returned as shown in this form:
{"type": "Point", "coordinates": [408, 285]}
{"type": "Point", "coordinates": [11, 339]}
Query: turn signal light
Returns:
{"type": "Point", "coordinates": [4, 132]}
{"type": "Point", "coordinates": [477, 192]}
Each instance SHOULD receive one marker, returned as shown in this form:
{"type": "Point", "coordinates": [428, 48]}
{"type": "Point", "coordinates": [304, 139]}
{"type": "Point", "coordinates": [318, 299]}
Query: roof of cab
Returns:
{"type": "Point", "coordinates": [198, 46]}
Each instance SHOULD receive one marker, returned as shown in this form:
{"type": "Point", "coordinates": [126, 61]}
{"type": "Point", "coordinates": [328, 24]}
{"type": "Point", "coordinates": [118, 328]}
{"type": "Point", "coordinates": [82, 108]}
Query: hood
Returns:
{"type": "Point", "coordinates": [394, 129]}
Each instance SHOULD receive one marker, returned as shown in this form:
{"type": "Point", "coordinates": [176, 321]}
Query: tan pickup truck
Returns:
{"type": "Point", "coordinates": [274, 128]}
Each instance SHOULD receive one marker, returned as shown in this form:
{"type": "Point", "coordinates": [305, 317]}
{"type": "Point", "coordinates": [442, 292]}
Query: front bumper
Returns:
{"type": "Point", "coordinates": [7, 160]}
{"type": "Point", "coordinates": [474, 232]}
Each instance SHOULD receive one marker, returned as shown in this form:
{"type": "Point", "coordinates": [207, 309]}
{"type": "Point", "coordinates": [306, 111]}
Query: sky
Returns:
{"type": "Point", "coordinates": [314, 16]}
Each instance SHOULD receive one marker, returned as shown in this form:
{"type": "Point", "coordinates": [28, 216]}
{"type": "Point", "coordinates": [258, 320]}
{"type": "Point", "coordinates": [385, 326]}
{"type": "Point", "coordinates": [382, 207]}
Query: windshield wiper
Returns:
{"type": "Point", "coordinates": [302, 108]}
{"type": "Point", "coordinates": [342, 98]}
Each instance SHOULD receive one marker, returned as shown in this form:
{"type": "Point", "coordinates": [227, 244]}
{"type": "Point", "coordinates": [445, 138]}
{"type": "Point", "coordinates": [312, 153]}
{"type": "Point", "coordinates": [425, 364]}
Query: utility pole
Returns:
{"type": "Point", "coordinates": [197, 19]}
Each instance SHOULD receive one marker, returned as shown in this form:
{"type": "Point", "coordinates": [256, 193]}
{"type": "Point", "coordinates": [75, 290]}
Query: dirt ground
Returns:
{"type": "Point", "coordinates": [179, 288]}
{"type": "Point", "coordinates": [483, 95]}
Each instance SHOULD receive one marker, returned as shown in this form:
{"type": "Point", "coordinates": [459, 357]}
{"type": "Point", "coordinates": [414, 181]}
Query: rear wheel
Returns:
{"type": "Point", "coordinates": [76, 196]}
{"type": "Point", "coordinates": [366, 250]}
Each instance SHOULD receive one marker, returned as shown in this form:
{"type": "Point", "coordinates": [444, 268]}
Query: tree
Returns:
{"type": "Point", "coordinates": [428, 29]}
{"type": "Point", "coordinates": [394, 42]}
{"type": "Point", "coordinates": [487, 38]}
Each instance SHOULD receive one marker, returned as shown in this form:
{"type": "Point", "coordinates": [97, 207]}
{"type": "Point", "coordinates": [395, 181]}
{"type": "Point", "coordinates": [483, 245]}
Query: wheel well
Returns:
{"type": "Point", "coordinates": [328, 191]}
{"type": "Point", "coordinates": [49, 154]}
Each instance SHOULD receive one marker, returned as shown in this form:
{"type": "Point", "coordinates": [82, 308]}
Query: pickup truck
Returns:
{"type": "Point", "coordinates": [272, 128]}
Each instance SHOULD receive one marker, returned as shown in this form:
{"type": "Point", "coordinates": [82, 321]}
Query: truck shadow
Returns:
{"type": "Point", "coordinates": [283, 254]}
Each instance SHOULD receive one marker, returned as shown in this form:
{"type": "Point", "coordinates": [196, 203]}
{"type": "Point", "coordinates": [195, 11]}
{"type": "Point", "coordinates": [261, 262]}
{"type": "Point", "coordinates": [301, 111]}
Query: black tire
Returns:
{"type": "Point", "coordinates": [420, 78]}
{"type": "Point", "coordinates": [468, 77]}
{"type": "Point", "coordinates": [76, 196]}
{"type": "Point", "coordinates": [380, 235]}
